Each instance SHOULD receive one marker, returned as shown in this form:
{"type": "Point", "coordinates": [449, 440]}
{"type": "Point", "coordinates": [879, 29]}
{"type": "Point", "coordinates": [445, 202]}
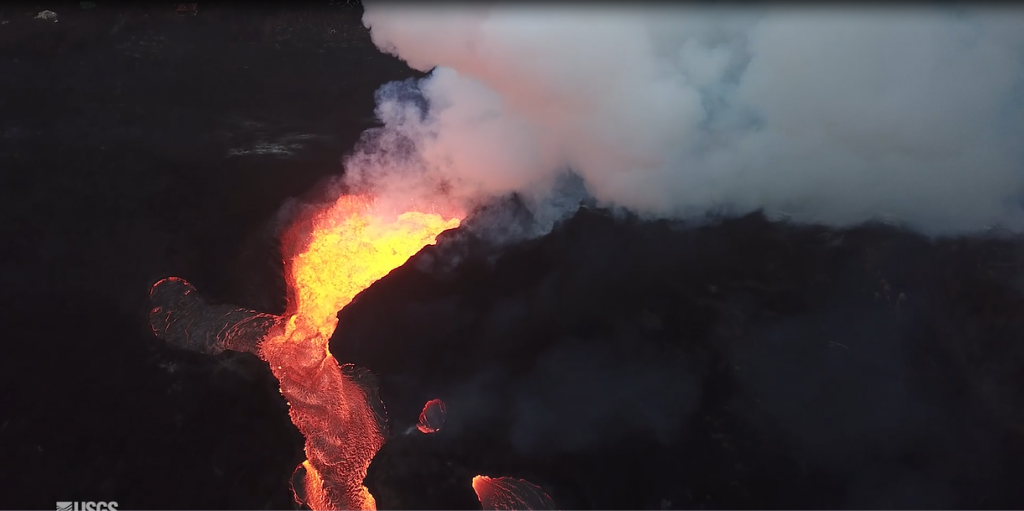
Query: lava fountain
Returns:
{"type": "Point", "coordinates": [330, 256]}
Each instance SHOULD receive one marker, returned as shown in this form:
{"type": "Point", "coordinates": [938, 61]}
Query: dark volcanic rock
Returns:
{"type": "Point", "coordinates": [738, 364]}
{"type": "Point", "coordinates": [413, 471]}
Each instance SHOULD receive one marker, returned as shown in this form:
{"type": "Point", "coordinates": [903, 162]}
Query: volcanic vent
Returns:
{"type": "Point", "coordinates": [334, 254]}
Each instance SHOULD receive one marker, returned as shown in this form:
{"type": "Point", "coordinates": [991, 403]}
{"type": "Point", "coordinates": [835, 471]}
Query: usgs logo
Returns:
{"type": "Point", "coordinates": [87, 506]}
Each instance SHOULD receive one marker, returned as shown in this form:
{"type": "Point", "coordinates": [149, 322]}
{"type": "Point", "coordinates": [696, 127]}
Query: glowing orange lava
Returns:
{"type": "Point", "coordinates": [338, 252]}
{"type": "Point", "coordinates": [331, 255]}
{"type": "Point", "coordinates": [509, 493]}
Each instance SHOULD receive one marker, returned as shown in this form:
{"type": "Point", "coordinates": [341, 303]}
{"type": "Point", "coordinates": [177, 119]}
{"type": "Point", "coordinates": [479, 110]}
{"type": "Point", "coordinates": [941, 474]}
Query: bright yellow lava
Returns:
{"type": "Point", "coordinates": [351, 247]}
{"type": "Point", "coordinates": [338, 252]}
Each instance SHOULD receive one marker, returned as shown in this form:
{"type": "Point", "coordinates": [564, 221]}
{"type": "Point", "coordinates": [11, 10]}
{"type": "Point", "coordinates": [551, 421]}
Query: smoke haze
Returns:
{"type": "Point", "coordinates": [831, 115]}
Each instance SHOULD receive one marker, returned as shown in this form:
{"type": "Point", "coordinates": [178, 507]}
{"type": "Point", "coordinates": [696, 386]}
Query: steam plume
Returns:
{"type": "Point", "coordinates": [829, 115]}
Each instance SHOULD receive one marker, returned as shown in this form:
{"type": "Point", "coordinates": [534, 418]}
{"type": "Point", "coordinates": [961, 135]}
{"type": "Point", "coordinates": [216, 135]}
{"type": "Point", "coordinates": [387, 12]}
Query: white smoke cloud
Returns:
{"type": "Point", "coordinates": [828, 115]}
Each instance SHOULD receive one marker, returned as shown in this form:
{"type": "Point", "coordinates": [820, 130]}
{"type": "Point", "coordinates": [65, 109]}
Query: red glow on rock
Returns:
{"type": "Point", "coordinates": [432, 416]}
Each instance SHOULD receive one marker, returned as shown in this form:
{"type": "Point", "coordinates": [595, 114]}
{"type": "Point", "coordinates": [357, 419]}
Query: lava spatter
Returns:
{"type": "Point", "coordinates": [509, 493]}
{"type": "Point", "coordinates": [331, 255]}
{"type": "Point", "coordinates": [432, 416]}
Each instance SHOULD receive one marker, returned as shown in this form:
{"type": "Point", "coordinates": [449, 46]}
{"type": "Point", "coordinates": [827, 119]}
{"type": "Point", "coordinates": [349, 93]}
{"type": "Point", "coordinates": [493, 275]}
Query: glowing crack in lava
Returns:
{"type": "Point", "coordinates": [509, 493]}
{"type": "Point", "coordinates": [432, 417]}
{"type": "Point", "coordinates": [330, 256]}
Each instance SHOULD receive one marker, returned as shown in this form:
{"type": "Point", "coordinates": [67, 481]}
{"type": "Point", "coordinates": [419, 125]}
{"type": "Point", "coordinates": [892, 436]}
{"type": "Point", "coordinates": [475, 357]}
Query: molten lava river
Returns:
{"type": "Point", "coordinates": [331, 256]}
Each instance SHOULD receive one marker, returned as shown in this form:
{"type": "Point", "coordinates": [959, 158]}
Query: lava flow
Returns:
{"type": "Point", "coordinates": [331, 255]}
{"type": "Point", "coordinates": [350, 246]}
{"type": "Point", "coordinates": [509, 493]}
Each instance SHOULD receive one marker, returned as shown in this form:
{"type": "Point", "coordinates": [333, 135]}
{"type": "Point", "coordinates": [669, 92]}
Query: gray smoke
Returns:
{"type": "Point", "coordinates": [838, 115]}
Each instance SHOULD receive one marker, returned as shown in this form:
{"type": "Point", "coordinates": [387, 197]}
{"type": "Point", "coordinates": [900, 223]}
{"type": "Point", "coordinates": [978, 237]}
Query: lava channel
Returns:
{"type": "Point", "coordinates": [330, 256]}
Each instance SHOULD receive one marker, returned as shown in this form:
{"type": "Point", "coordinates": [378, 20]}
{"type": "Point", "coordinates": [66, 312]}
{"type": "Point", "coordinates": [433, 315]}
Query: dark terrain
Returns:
{"type": "Point", "coordinates": [739, 363]}
{"type": "Point", "coordinates": [121, 128]}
